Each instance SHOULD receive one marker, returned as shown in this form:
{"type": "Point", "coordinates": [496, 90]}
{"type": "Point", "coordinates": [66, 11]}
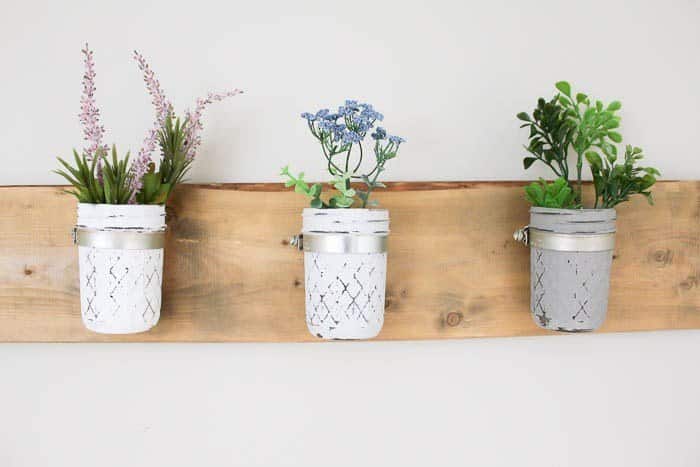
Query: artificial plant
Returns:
{"type": "Point", "coordinates": [574, 123]}
{"type": "Point", "coordinates": [96, 179]}
{"type": "Point", "coordinates": [341, 136]}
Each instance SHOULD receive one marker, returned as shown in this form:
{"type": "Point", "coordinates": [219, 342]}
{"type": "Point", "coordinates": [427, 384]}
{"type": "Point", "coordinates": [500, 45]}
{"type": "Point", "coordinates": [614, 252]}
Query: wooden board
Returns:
{"type": "Point", "coordinates": [454, 270]}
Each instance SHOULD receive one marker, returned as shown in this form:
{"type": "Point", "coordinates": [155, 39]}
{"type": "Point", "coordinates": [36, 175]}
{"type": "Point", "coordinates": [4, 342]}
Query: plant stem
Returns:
{"type": "Point", "coordinates": [579, 168]}
{"type": "Point", "coordinates": [357, 167]}
{"type": "Point", "coordinates": [330, 162]}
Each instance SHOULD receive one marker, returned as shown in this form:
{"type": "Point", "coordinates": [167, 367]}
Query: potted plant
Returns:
{"type": "Point", "coordinates": [120, 230]}
{"type": "Point", "coordinates": [345, 242]}
{"type": "Point", "coordinates": [571, 247]}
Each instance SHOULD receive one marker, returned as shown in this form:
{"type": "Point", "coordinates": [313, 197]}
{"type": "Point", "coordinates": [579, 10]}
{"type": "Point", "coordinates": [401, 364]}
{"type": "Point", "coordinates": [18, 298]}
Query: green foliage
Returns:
{"type": "Point", "coordinates": [551, 133]}
{"type": "Point", "coordinates": [557, 194]}
{"type": "Point", "coordinates": [342, 136]}
{"type": "Point", "coordinates": [174, 163]}
{"type": "Point", "coordinates": [587, 127]}
{"type": "Point", "coordinates": [114, 186]}
{"type": "Point", "coordinates": [593, 122]}
{"type": "Point", "coordinates": [615, 183]}
{"type": "Point", "coordinates": [346, 195]}
{"type": "Point", "coordinates": [301, 187]}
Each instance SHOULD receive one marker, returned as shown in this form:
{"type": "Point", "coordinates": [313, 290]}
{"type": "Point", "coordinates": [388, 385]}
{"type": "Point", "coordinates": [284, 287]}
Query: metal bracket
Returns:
{"type": "Point", "coordinates": [522, 235]}
{"type": "Point", "coordinates": [297, 241]}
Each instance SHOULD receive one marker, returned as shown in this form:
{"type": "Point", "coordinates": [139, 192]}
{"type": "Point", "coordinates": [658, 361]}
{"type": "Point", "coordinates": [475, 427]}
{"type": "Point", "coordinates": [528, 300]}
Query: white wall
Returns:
{"type": "Point", "coordinates": [449, 75]}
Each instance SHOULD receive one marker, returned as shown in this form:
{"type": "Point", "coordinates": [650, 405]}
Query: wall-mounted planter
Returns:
{"type": "Point", "coordinates": [120, 249]}
{"type": "Point", "coordinates": [570, 259]}
{"type": "Point", "coordinates": [345, 271]}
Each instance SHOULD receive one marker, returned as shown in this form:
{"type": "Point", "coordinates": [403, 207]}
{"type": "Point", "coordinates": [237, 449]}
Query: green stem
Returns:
{"type": "Point", "coordinates": [357, 167]}
{"type": "Point", "coordinates": [330, 162]}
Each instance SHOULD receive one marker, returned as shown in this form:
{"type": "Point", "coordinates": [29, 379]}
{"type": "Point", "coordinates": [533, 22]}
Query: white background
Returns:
{"type": "Point", "coordinates": [449, 76]}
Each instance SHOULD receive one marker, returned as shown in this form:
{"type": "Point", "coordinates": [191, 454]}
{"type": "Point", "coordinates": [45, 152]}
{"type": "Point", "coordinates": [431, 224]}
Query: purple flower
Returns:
{"type": "Point", "coordinates": [194, 119]}
{"type": "Point", "coordinates": [396, 139]}
{"type": "Point", "coordinates": [308, 116]}
{"type": "Point", "coordinates": [162, 107]}
{"type": "Point", "coordinates": [89, 113]}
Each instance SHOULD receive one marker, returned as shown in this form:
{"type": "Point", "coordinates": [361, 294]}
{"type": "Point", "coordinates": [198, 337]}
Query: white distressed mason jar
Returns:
{"type": "Point", "coordinates": [345, 271]}
{"type": "Point", "coordinates": [571, 254]}
{"type": "Point", "coordinates": [120, 250]}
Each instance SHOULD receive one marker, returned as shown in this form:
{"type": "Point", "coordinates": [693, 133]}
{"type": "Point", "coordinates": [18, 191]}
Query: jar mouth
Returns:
{"type": "Point", "coordinates": [121, 216]}
{"type": "Point", "coordinates": [340, 211]}
{"type": "Point", "coordinates": [573, 221]}
{"type": "Point", "coordinates": [349, 221]}
{"type": "Point", "coordinates": [544, 210]}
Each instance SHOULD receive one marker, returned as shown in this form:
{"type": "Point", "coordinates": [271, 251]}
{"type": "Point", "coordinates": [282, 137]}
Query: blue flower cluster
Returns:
{"type": "Point", "coordinates": [350, 123]}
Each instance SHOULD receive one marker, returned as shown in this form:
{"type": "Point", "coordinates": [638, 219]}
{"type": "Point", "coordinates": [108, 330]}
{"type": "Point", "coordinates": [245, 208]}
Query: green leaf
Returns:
{"type": "Point", "coordinates": [315, 190]}
{"type": "Point", "coordinates": [581, 98]}
{"type": "Point", "coordinates": [528, 161]}
{"type": "Point", "coordinates": [615, 136]}
{"type": "Point", "coordinates": [614, 106]}
{"type": "Point", "coordinates": [612, 123]}
{"type": "Point", "coordinates": [594, 159]}
{"type": "Point", "coordinates": [524, 117]}
{"type": "Point", "coordinates": [564, 88]}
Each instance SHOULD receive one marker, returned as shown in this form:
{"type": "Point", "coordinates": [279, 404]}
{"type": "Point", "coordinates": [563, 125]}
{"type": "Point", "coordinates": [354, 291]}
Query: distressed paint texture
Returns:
{"type": "Point", "coordinates": [120, 290]}
{"type": "Point", "coordinates": [345, 292]}
{"type": "Point", "coordinates": [569, 289]}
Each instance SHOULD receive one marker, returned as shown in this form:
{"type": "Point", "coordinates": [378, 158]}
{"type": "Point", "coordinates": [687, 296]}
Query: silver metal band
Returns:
{"type": "Point", "coordinates": [119, 239]}
{"type": "Point", "coordinates": [546, 240]}
{"type": "Point", "coordinates": [340, 243]}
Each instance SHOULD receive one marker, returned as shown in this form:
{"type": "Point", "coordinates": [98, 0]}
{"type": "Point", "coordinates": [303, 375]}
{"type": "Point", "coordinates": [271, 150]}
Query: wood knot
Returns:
{"type": "Point", "coordinates": [285, 242]}
{"type": "Point", "coordinates": [297, 282]}
{"type": "Point", "coordinates": [689, 283]}
{"type": "Point", "coordinates": [453, 318]}
{"type": "Point", "coordinates": [27, 271]}
{"type": "Point", "coordinates": [663, 257]}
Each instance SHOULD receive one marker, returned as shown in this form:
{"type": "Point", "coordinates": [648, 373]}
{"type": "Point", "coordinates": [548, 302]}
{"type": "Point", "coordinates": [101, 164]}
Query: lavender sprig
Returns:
{"type": "Point", "coordinates": [163, 107]}
{"type": "Point", "coordinates": [90, 114]}
{"type": "Point", "coordinates": [193, 120]}
{"type": "Point", "coordinates": [178, 141]}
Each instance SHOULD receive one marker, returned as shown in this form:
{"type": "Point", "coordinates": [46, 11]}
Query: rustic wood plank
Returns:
{"type": "Point", "coordinates": [454, 271]}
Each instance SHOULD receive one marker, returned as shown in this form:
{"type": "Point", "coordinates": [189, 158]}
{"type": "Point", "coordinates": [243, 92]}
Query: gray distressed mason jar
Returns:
{"type": "Point", "coordinates": [571, 254]}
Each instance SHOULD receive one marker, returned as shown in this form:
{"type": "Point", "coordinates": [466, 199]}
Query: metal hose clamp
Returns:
{"type": "Point", "coordinates": [340, 243]}
{"type": "Point", "coordinates": [118, 239]}
{"type": "Point", "coordinates": [522, 235]}
{"type": "Point", "coordinates": [546, 240]}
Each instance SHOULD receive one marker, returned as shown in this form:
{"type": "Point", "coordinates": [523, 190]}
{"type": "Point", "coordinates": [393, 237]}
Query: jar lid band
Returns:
{"type": "Point", "coordinates": [340, 243]}
{"type": "Point", "coordinates": [119, 239]}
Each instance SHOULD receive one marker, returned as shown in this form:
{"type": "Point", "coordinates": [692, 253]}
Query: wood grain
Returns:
{"type": "Point", "coordinates": [454, 270]}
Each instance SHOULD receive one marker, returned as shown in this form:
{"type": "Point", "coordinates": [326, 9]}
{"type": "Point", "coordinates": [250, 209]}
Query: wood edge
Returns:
{"type": "Point", "coordinates": [98, 339]}
{"type": "Point", "coordinates": [390, 186]}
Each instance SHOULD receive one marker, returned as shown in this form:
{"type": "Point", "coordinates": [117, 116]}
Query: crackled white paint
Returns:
{"type": "Point", "coordinates": [345, 292]}
{"type": "Point", "coordinates": [120, 290]}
